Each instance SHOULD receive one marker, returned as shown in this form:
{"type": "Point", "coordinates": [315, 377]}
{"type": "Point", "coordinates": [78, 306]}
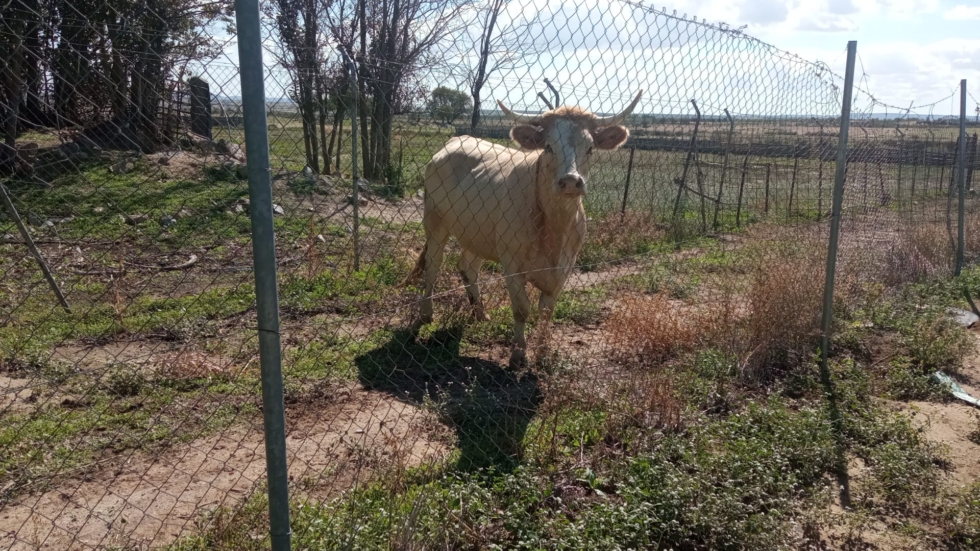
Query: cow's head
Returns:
{"type": "Point", "coordinates": [569, 135]}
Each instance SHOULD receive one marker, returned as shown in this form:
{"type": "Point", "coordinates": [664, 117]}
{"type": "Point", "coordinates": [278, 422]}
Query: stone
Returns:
{"type": "Point", "coordinates": [963, 317]}
{"type": "Point", "coordinates": [320, 238]}
{"type": "Point", "coordinates": [34, 219]}
{"type": "Point", "coordinates": [167, 221]}
{"type": "Point", "coordinates": [122, 167]}
{"type": "Point", "coordinates": [276, 209]}
{"type": "Point", "coordinates": [308, 172]}
{"type": "Point", "coordinates": [98, 210]}
{"type": "Point", "coordinates": [241, 171]}
{"type": "Point", "coordinates": [134, 219]}
{"type": "Point", "coordinates": [361, 201]}
{"type": "Point", "coordinates": [48, 224]}
{"type": "Point", "coordinates": [183, 213]}
{"type": "Point", "coordinates": [235, 150]}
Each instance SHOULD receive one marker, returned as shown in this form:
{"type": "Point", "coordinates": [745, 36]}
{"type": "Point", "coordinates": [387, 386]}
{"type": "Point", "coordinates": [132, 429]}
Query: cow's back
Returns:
{"type": "Point", "coordinates": [482, 194]}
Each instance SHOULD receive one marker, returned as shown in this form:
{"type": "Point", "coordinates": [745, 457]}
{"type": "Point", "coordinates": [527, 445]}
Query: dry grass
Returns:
{"type": "Point", "coordinates": [920, 252]}
{"type": "Point", "coordinates": [769, 317]}
{"type": "Point", "coordinates": [645, 330]}
{"type": "Point", "coordinates": [646, 400]}
{"type": "Point", "coordinates": [784, 301]}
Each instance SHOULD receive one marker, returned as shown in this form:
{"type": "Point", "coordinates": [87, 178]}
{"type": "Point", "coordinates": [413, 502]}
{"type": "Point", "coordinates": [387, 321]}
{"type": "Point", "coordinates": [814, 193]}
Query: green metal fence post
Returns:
{"type": "Point", "coordinates": [961, 177]}
{"type": "Point", "coordinates": [264, 255]}
{"type": "Point", "coordinates": [828, 295]}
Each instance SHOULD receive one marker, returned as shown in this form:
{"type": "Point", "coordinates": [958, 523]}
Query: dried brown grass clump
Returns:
{"type": "Point", "coordinates": [645, 400]}
{"type": "Point", "coordinates": [920, 252]}
{"type": "Point", "coordinates": [785, 299]}
{"type": "Point", "coordinates": [187, 364]}
{"type": "Point", "coordinates": [645, 330]}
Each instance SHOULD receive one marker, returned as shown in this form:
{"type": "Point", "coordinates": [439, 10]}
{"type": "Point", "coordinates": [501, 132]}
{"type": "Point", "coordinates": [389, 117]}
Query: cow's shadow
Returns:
{"type": "Point", "coordinates": [487, 406]}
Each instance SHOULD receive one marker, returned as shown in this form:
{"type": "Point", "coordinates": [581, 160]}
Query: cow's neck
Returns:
{"type": "Point", "coordinates": [559, 213]}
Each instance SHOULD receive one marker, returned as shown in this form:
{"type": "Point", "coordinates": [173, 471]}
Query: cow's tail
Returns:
{"type": "Point", "coordinates": [419, 270]}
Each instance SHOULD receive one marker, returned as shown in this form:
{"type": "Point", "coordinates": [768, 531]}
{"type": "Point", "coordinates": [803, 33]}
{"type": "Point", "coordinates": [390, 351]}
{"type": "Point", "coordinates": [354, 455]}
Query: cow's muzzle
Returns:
{"type": "Point", "coordinates": [571, 184]}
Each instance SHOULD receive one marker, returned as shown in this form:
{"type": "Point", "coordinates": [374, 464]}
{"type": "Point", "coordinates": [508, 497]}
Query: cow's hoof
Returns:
{"type": "Point", "coordinates": [518, 359]}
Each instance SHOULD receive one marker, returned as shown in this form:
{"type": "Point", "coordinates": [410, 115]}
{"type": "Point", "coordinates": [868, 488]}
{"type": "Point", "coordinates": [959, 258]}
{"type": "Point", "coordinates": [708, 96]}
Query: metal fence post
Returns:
{"type": "Point", "coordinates": [961, 177]}
{"type": "Point", "coordinates": [264, 255]}
{"type": "Point", "coordinates": [828, 295]}
{"type": "Point", "coordinates": [356, 196]}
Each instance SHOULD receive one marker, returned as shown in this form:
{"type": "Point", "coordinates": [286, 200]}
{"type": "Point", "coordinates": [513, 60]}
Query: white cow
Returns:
{"type": "Point", "coordinates": [519, 207]}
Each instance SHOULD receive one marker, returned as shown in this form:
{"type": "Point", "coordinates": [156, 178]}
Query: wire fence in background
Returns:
{"type": "Point", "coordinates": [131, 404]}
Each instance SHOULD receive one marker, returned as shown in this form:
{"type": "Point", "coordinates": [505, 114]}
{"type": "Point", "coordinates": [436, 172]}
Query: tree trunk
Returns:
{"type": "Point", "coordinates": [338, 121]}
{"type": "Point", "coordinates": [321, 102]}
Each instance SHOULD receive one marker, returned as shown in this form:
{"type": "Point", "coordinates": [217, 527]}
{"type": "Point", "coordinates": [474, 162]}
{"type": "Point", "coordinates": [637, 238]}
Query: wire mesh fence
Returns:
{"type": "Point", "coordinates": [683, 204]}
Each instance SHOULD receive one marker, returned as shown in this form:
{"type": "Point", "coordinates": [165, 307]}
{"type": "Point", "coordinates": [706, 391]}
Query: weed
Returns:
{"type": "Point", "coordinates": [646, 330]}
{"type": "Point", "coordinates": [124, 381]}
{"type": "Point", "coordinates": [906, 380]}
{"type": "Point", "coordinates": [580, 307]}
{"type": "Point", "coordinates": [616, 237]}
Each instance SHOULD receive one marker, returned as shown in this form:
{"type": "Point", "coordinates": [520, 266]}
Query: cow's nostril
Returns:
{"type": "Point", "coordinates": [578, 184]}
{"type": "Point", "coordinates": [561, 183]}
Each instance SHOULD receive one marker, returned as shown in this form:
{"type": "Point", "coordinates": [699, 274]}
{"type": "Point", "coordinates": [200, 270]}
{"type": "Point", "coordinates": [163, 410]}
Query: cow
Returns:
{"type": "Point", "coordinates": [519, 207]}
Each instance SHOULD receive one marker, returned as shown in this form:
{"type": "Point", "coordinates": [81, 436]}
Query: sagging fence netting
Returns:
{"type": "Point", "coordinates": [131, 412]}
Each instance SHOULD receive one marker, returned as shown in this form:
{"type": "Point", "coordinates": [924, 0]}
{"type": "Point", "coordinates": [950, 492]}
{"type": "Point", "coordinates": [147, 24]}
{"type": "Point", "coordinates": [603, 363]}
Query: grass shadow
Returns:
{"type": "Point", "coordinates": [487, 406]}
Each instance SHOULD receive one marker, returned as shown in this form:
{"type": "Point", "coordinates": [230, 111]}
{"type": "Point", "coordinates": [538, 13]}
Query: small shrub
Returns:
{"type": "Point", "coordinates": [124, 381]}
{"type": "Point", "coordinates": [784, 302]}
{"type": "Point", "coordinates": [650, 329]}
{"type": "Point", "coordinates": [921, 252]}
{"type": "Point", "coordinates": [580, 307]}
{"type": "Point", "coordinates": [904, 380]}
{"type": "Point", "coordinates": [963, 519]}
{"type": "Point", "coordinates": [935, 342]}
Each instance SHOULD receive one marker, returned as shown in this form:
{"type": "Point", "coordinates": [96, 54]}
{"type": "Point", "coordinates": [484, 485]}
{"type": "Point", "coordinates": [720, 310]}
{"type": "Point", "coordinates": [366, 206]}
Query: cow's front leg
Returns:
{"type": "Point", "coordinates": [546, 309]}
{"type": "Point", "coordinates": [521, 306]}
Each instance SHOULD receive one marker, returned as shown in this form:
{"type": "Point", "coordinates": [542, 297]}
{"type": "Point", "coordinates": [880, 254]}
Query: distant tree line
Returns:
{"type": "Point", "coordinates": [72, 63]}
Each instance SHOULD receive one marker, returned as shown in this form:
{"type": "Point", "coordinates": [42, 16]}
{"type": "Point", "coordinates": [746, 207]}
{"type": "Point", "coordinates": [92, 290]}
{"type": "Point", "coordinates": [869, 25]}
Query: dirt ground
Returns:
{"type": "Point", "coordinates": [142, 500]}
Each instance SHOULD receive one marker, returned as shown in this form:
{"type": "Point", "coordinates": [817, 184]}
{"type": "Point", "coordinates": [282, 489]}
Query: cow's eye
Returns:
{"type": "Point", "coordinates": [548, 149]}
{"type": "Point", "coordinates": [589, 152]}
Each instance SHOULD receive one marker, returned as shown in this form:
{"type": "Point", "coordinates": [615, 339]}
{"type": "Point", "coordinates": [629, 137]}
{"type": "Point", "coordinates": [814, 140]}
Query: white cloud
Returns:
{"type": "Point", "coordinates": [962, 12]}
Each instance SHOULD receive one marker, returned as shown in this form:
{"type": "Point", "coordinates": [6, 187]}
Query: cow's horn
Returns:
{"type": "Point", "coordinates": [520, 119]}
{"type": "Point", "coordinates": [619, 118]}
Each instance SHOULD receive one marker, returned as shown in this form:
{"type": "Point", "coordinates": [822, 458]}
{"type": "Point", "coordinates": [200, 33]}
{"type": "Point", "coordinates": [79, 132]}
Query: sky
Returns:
{"type": "Point", "coordinates": [910, 50]}
{"type": "Point", "coordinates": [600, 52]}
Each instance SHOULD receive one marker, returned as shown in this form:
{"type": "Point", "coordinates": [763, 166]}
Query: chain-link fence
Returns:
{"type": "Point", "coordinates": [445, 303]}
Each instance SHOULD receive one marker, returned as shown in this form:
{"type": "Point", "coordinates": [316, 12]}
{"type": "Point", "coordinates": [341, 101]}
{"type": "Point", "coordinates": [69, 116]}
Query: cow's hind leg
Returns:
{"type": "Point", "coordinates": [521, 305]}
{"type": "Point", "coordinates": [469, 268]}
{"type": "Point", "coordinates": [435, 246]}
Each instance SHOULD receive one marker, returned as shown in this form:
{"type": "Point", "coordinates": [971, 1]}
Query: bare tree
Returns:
{"type": "Point", "coordinates": [390, 40]}
{"type": "Point", "coordinates": [503, 43]}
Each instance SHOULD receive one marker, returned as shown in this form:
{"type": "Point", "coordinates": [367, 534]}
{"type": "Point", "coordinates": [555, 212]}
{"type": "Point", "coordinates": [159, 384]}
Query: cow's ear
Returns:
{"type": "Point", "coordinates": [527, 136]}
{"type": "Point", "coordinates": [611, 137]}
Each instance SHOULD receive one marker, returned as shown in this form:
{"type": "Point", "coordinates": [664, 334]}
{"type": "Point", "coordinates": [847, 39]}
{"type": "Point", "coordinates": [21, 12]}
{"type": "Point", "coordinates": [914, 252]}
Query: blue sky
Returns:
{"type": "Point", "coordinates": [600, 52]}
